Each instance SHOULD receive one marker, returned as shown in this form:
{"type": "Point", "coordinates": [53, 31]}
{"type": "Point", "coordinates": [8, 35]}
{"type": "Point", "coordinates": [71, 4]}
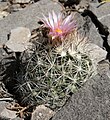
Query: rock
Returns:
{"type": "Point", "coordinates": [3, 6]}
{"type": "Point", "coordinates": [8, 114]}
{"type": "Point", "coordinates": [94, 26]}
{"type": "Point", "coordinates": [95, 53]}
{"type": "Point", "coordinates": [90, 102]}
{"type": "Point", "coordinates": [103, 14]}
{"type": "Point", "coordinates": [94, 36]}
{"type": "Point", "coordinates": [16, 7]}
{"type": "Point", "coordinates": [42, 113]}
{"type": "Point", "coordinates": [3, 14]}
{"type": "Point", "coordinates": [17, 118]}
{"type": "Point", "coordinates": [21, 1]}
{"type": "Point", "coordinates": [28, 17]}
{"type": "Point", "coordinates": [83, 5]}
{"type": "Point", "coordinates": [19, 39]}
{"type": "Point", "coordinates": [2, 105]}
{"type": "Point", "coordinates": [87, 29]}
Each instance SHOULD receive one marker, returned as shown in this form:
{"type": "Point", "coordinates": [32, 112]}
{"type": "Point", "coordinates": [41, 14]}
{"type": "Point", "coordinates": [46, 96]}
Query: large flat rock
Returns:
{"type": "Point", "coordinates": [28, 17]}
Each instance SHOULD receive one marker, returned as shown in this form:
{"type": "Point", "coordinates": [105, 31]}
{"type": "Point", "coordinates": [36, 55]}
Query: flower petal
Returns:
{"type": "Point", "coordinates": [51, 21]}
{"type": "Point", "coordinates": [55, 19]}
{"type": "Point", "coordinates": [45, 21]}
{"type": "Point", "coordinates": [67, 20]}
{"type": "Point", "coordinates": [58, 26]}
{"type": "Point", "coordinates": [59, 19]}
{"type": "Point", "coordinates": [71, 26]}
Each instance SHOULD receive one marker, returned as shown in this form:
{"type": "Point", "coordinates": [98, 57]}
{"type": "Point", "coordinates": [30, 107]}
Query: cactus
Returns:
{"type": "Point", "coordinates": [50, 78]}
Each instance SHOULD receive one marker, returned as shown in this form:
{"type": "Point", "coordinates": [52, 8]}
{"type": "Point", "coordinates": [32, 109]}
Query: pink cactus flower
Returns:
{"type": "Point", "coordinates": [59, 27]}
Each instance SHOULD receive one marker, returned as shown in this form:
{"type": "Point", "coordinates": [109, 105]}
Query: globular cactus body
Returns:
{"type": "Point", "coordinates": [50, 77]}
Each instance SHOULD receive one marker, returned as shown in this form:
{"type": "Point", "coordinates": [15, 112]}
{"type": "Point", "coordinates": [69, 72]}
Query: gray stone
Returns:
{"type": "Point", "coordinates": [95, 37]}
{"type": "Point", "coordinates": [42, 113]}
{"type": "Point", "coordinates": [3, 6]}
{"type": "Point", "coordinates": [17, 118]}
{"type": "Point", "coordinates": [95, 53]}
{"type": "Point", "coordinates": [4, 10]}
{"type": "Point", "coordinates": [19, 39]}
{"type": "Point", "coordinates": [21, 1]}
{"type": "Point", "coordinates": [28, 17]}
{"type": "Point", "coordinates": [8, 114]}
{"type": "Point", "coordinates": [3, 105]}
{"type": "Point", "coordinates": [16, 8]}
{"type": "Point", "coordinates": [103, 10]}
{"type": "Point", "coordinates": [92, 102]}
{"type": "Point", "coordinates": [87, 29]}
{"type": "Point", "coordinates": [103, 14]}
{"type": "Point", "coordinates": [3, 14]}
{"type": "Point", "coordinates": [104, 17]}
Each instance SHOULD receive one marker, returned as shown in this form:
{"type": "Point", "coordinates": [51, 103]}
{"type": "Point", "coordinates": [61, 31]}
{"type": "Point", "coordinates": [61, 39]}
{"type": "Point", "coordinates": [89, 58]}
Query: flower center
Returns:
{"type": "Point", "coordinates": [58, 30]}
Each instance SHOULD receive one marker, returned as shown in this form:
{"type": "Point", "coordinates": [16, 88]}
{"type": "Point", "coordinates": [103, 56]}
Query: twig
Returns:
{"type": "Point", "coordinates": [6, 99]}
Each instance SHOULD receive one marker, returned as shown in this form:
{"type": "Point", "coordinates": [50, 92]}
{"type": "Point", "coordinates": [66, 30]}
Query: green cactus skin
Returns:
{"type": "Point", "coordinates": [51, 78]}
